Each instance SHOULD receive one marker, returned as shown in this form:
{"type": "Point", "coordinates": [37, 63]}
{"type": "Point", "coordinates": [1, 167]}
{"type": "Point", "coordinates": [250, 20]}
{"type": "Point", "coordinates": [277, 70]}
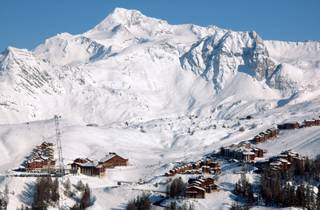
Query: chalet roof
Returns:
{"type": "Point", "coordinates": [289, 152]}
{"type": "Point", "coordinates": [276, 163]}
{"type": "Point", "coordinates": [284, 160]}
{"type": "Point", "coordinates": [189, 188]}
{"type": "Point", "coordinates": [310, 120]}
{"type": "Point", "coordinates": [197, 182]}
{"type": "Point", "coordinates": [88, 164]}
{"type": "Point", "coordinates": [248, 153]}
{"type": "Point", "coordinates": [108, 156]}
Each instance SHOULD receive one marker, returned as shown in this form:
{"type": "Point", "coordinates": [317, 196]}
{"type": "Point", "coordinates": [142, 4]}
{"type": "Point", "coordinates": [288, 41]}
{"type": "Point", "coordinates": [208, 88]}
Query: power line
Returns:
{"type": "Point", "coordinates": [60, 171]}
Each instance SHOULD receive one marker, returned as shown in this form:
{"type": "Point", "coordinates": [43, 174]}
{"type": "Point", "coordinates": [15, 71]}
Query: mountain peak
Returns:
{"type": "Point", "coordinates": [121, 16]}
{"type": "Point", "coordinates": [122, 12]}
{"type": "Point", "coordinates": [11, 52]}
{"type": "Point", "coordinates": [125, 17]}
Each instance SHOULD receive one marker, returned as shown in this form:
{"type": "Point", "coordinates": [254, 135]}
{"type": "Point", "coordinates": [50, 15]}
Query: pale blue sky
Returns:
{"type": "Point", "coordinates": [27, 23]}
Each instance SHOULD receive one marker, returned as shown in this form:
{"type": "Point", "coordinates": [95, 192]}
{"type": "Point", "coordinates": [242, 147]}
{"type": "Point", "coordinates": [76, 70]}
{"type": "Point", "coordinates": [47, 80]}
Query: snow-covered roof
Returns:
{"type": "Point", "coordinates": [284, 160]}
{"type": "Point", "coordinates": [196, 187]}
{"type": "Point", "coordinates": [276, 163]}
{"type": "Point", "coordinates": [88, 164]}
{"type": "Point", "coordinates": [248, 153]}
{"type": "Point", "coordinates": [108, 157]}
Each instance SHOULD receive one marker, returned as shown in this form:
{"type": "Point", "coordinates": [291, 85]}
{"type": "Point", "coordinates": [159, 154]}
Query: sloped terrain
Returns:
{"type": "Point", "coordinates": [140, 67]}
{"type": "Point", "coordinates": [158, 92]}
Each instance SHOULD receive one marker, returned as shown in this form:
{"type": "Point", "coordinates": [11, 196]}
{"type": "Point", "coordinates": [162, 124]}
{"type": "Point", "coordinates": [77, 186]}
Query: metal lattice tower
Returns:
{"type": "Point", "coordinates": [60, 171]}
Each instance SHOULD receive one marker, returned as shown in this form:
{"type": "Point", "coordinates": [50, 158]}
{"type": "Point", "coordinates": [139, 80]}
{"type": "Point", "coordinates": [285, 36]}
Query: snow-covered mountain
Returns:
{"type": "Point", "coordinates": [131, 66]}
{"type": "Point", "coordinates": [160, 94]}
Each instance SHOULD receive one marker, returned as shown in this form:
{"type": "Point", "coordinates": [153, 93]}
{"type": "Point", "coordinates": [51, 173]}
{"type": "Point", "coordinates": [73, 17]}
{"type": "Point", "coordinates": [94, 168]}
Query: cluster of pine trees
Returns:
{"type": "Point", "coordinates": [141, 202]}
{"type": "Point", "coordinates": [86, 200]}
{"type": "Point", "coordinates": [4, 198]}
{"type": "Point", "coordinates": [177, 188]}
{"type": "Point", "coordinates": [174, 206]}
{"type": "Point", "coordinates": [237, 206]}
{"type": "Point", "coordinates": [294, 187]}
{"type": "Point", "coordinates": [46, 193]}
{"type": "Point", "coordinates": [244, 189]}
{"type": "Point", "coordinates": [286, 192]}
{"type": "Point", "coordinates": [310, 171]}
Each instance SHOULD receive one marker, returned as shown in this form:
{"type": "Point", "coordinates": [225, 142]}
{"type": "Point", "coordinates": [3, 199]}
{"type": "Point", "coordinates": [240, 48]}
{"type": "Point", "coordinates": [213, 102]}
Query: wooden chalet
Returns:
{"type": "Point", "coordinates": [284, 161]}
{"type": "Point", "coordinates": [258, 152]}
{"type": "Point", "coordinates": [198, 167]}
{"type": "Point", "coordinates": [248, 156]}
{"type": "Point", "coordinates": [264, 136]}
{"type": "Point", "coordinates": [97, 168]}
{"type": "Point", "coordinates": [112, 160]}
{"type": "Point", "coordinates": [289, 125]}
{"type": "Point", "coordinates": [242, 152]}
{"type": "Point", "coordinates": [258, 139]}
{"type": "Point", "coordinates": [40, 165]}
{"type": "Point", "coordinates": [87, 167]}
{"type": "Point", "coordinates": [41, 159]}
{"type": "Point", "coordinates": [272, 133]}
{"type": "Point", "coordinates": [197, 187]}
{"type": "Point", "coordinates": [310, 123]}
{"type": "Point", "coordinates": [195, 192]}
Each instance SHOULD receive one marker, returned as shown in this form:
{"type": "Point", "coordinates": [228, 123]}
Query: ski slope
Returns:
{"type": "Point", "coordinates": [160, 94]}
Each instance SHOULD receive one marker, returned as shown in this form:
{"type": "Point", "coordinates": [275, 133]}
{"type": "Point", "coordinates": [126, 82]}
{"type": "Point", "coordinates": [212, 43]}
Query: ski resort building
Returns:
{"type": "Point", "coordinates": [112, 160]}
{"type": "Point", "coordinates": [284, 161]}
{"type": "Point", "coordinates": [97, 168]}
{"type": "Point", "coordinates": [198, 187]}
{"type": "Point", "coordinates": [310, 123]}
{"type": "Point", "coordinates": [41, 159]}
{"type": "Point", "coordinates": [264, 136]}
{"type": "Point", "coordinates": [242, 152]}
{"type": "Point", "coordinates": [195, 192]}
{"type": "Point", "coordinates": [87, 167]}
{"type": "Point", "coordinates": [199, 167]}
{"type": "Point", "coordinates": [289, 125]}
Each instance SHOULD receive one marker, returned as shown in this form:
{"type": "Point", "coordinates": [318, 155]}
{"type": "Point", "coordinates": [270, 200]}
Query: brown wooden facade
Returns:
{"type": "Point", "coordinates": [292, 125]}
{"type": "Point", "coordinates": [97, 168]}
{"type": "Point", "coordinates": [41, 159]}
{"type": "Point", "coordinates": [113, 161]}
{"type": "Point", "coordinates": [87, 169]}
{"type": "Point", "coordinates": [198, 167]}
{"type": "Point", "coordinates": [198, 187]}
{"type": "Point", "coordinates": [195, 192]}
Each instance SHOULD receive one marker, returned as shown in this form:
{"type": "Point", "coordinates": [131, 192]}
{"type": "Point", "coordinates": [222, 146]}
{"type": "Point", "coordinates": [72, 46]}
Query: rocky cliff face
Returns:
{"type": "Point", "coordinates": [221, 56]}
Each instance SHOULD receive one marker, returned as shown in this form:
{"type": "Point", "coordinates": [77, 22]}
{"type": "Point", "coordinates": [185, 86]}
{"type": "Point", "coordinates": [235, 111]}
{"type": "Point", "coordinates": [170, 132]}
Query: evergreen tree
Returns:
{"type": "Point", "coordinates": [80, 186]}
{"type": "Point", "coordinates": [301, 198]}
{"type": "Point", "coordinates": [318, 198]}
{"type": "Point", "coordinates": [244, 188]}
{"type": "Point", "coordinates": [67, 187]}
{"type": "Point", "coordinates": [86, 198]}
{"type": "Point", "coordinates": [141, 202]}
{"type": "Point", "coordinates": [235, 206]}
{"type": "Point", "coordinates": [176, 188]}
{"type": "Point", "coordinates": [55, 191]}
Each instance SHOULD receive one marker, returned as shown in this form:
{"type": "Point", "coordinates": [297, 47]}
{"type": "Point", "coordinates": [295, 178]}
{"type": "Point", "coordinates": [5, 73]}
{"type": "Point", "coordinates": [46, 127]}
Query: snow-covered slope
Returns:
{"type": "Point", "coordinates": [159, 92]}
{"type": "Point", "coordinates": [131, 66]}
{"type": "Point", "coordinates": [67, 49]}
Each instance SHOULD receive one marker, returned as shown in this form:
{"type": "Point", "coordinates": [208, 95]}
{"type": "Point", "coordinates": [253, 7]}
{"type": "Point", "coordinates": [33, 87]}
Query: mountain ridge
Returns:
{"type": "Point", "coordinates": [142, 67]}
